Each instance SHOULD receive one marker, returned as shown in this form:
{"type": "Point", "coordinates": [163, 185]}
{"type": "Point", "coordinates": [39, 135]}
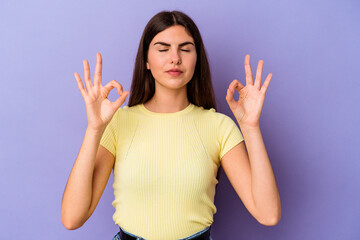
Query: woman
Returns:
{"type": "Point", "coordinates": [166, 146]}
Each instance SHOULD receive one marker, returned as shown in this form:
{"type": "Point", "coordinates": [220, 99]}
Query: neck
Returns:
{"type": "Point", "coordinates": [168, 102]}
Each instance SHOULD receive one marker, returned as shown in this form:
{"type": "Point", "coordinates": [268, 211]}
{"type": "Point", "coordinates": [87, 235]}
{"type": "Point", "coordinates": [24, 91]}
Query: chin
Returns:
{"type": "Point", "coordinates": [175, 84]}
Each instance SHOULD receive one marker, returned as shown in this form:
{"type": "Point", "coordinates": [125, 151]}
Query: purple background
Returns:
{"type": "Point", "coordinates": [310, 120]}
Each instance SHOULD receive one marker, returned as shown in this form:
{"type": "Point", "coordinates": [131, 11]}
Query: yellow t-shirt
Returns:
{"type": "Point", "coordinates": [165, 168]}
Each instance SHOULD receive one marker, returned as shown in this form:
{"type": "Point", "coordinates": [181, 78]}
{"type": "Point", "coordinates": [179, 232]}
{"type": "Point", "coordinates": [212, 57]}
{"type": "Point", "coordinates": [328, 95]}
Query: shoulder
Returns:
{"type": "Point", "coordinates": [124, 116]}
{"type": "Point", "coordinates": [211, 115]}
{"type": "Point", "coordinates": [125, 111]}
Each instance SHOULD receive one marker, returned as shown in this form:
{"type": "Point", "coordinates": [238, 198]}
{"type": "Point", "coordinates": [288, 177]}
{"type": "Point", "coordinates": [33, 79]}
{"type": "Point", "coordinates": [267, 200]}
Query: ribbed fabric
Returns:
{"type": "Point", "coordinates": [165, 168]}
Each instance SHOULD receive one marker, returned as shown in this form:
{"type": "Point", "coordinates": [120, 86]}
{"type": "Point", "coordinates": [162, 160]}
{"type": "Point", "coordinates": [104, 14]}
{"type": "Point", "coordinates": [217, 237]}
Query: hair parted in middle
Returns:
{"type": "Point", "coordinates": [199, 90]}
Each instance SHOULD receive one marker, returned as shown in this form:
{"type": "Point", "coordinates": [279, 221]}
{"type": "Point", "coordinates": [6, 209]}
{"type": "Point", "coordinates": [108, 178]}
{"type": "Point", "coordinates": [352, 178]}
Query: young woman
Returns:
{"type": "Point", "coordinates": [166, 146]}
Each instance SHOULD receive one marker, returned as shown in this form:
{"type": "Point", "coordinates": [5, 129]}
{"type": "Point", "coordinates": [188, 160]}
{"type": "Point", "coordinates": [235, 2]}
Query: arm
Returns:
{"type": "Point", "coordinates": [252, 178]}
{"type": "Point", "coordinates": [250, 171]}
{"type": "Point", "coordinates": [87, 181]}
{"type": "Point", "coordinates": [94, 163]}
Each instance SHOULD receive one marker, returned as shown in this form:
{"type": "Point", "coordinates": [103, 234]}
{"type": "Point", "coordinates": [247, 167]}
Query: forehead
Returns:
{"type": "Point", "coordinates": [173, 35]}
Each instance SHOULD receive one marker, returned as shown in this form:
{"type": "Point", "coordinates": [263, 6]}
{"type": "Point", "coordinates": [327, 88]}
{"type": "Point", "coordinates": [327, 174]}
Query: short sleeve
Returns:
{"type": "Point", "coordinates": [229, 135]}
{"type": "Point", "coordinates": [110, 135]}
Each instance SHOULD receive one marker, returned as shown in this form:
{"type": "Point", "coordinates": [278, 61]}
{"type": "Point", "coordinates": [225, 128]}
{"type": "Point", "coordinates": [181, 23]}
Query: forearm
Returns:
{"type": "Point", "coordinates": [78, 191]}
{"type": "Point", "coordinates": [264, 188]}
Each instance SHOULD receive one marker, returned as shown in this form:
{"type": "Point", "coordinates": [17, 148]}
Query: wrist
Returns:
{"type": "Point", "coordinates": [247, 127]}
{"type": "Point", "coordinates": [95, 130]}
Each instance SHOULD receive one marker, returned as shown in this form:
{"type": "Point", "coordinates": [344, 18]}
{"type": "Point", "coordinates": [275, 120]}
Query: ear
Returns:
{"type": "Point", "coordinates": [147, 66]}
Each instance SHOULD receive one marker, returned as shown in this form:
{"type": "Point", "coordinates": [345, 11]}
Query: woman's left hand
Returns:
{"type": "Point", "coordinates": [247, 109]}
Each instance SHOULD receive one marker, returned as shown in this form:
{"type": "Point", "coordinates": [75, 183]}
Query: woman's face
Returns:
{"type": "Point", "coordinates": [172, 58]}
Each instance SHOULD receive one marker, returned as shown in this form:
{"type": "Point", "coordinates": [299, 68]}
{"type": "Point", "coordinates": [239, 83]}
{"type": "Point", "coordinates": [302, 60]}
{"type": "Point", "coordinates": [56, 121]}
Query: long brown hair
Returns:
{"type": "Point", "coordinates": [199, 90]}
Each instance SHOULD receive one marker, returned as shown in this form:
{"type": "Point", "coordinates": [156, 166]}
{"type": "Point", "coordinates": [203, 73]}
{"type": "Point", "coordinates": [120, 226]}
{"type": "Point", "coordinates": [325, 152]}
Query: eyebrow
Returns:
{"type": "Point", "coordinates": [168, 45]}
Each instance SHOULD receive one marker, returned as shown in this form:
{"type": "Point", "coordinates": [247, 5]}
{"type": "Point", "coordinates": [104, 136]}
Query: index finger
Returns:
{"type": "Point", "coordinates": [248, 72]}
{"type": "Point", "coordinates": [98, 70]}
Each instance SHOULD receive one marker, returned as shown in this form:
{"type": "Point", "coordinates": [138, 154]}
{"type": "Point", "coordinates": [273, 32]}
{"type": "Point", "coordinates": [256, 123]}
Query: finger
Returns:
{"type": "Point", "coordinates": [248, 72]}
{"type": "Point", "coordinates": [87, 78]}
{"type": "Point", "coordinates": [80, 84]}
{"type": "Point", "coordinates": [258, 74]}
{"type": "Point", "coordinates": [235, 84]}
{"type": "Point", "coordinates": [230, 96]}
{"type": "Point", "coordinates": [98, 70]}
{"type": "Point", "coordinates": [238, 85]}
{"type": "Point", "coordinates": [120, 100]}
{"type": "Point", "coordinates": [112, 84]}
{"type": "Point", "coordinates": [266, 83]}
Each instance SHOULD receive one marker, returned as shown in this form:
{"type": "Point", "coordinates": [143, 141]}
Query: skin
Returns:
{"type": "Point", "coordinates": [249, 171]}
{"type": "Point", "coordinates": [94, 163]}
{"type": "Point", "coordinates": [179, 52]}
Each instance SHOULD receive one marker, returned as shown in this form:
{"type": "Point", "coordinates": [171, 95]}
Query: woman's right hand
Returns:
{"type": "Point", "coordinates": [99, 109]}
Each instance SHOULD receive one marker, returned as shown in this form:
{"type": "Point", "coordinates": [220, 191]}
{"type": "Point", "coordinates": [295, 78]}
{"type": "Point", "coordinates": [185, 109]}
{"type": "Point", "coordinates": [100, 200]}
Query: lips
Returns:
{"type": "Point", "coordinates": [174, 72]}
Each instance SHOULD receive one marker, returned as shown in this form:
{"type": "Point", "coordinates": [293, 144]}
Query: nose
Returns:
{"type": "Point", "coordinates": [175, 57]}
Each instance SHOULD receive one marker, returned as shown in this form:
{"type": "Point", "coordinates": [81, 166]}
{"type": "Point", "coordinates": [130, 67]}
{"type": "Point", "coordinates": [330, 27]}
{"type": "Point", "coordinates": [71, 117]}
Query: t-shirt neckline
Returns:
{"type": "Point", "coordinates": [156, 114]}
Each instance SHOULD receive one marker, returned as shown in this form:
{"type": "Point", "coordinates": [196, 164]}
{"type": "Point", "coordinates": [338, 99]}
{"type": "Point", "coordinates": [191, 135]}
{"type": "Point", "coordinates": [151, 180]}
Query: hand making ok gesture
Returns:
{"type": "Point", "coordinates": [247, 109]}
{"type": "Point", "coordinates": [99, 109]}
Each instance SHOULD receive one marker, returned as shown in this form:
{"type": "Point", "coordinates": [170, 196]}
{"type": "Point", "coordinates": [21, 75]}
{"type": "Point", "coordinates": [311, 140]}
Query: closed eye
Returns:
{"type": "Point", "coordinates": [164, 50]}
